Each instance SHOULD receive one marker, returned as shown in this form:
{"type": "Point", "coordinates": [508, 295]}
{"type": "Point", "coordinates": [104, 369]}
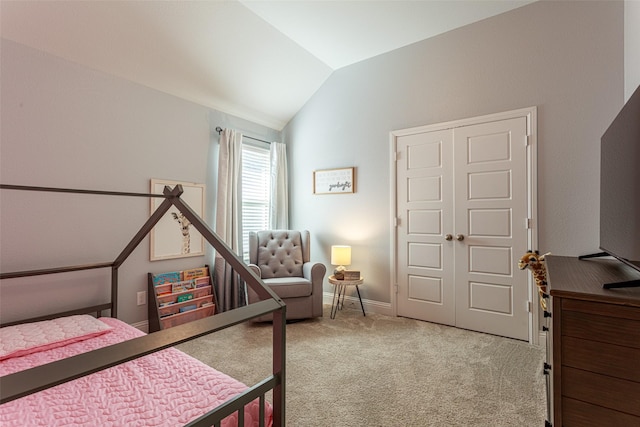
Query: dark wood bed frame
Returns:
{"type": "Point", "coordinates": [32, 380]}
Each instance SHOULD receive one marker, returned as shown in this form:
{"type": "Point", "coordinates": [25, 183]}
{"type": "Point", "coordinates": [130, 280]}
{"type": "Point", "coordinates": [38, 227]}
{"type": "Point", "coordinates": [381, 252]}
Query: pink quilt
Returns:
{"type": "Point", "coordinates": [167, 388]}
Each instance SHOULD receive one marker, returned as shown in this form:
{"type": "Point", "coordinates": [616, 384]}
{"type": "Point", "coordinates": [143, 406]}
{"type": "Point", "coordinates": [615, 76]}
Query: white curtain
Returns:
{"type": "Point", "coordinates": [279, 215]}
{"type": "Point", "coordinates": [230, 290]}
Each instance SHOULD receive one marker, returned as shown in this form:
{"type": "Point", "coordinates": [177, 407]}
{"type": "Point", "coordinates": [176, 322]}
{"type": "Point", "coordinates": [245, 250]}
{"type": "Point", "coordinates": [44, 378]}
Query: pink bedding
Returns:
{"type": "Point", "coordinates": [167, 388]}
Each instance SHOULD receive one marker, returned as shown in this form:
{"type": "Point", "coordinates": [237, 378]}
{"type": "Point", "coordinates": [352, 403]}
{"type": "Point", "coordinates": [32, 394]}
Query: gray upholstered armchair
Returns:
{"type": "Point", "coordinates": [281, 258]}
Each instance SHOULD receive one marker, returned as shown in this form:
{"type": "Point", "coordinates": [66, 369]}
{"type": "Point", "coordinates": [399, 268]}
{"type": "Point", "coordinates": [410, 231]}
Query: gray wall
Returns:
{"type": "Point", "coordinates": [566, 58]}
{"type": "Point", "coordinates": [64, 125]}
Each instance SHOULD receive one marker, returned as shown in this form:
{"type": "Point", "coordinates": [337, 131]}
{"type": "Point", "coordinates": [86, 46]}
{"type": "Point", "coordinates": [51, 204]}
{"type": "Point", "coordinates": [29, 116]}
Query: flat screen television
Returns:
{"type": "Point", "coordinates": [620, 188]}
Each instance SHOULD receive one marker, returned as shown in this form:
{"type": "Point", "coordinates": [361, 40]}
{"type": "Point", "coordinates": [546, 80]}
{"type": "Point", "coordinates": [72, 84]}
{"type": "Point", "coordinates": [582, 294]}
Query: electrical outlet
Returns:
{"type": "Point", "coordinates": [142, 298]}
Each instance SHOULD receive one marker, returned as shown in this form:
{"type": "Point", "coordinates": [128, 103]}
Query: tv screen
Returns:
{"type": "Point", "coordinates": [620, 185]}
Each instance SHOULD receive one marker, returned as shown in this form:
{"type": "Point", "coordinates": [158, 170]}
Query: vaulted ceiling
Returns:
{"type": "Point", "coordinates": [258, 60]}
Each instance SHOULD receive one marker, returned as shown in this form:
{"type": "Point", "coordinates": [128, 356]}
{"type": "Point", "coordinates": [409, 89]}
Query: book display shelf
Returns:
{"type": "Point", "coordinates": [178, 297]}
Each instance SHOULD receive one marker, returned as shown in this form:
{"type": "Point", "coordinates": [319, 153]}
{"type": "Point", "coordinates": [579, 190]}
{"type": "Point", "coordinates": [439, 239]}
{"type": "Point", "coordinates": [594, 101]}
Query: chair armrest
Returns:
{"type": "Point", "coordinates": [255, 269]}
{"type": "Point", "coordinates": [315, 273]}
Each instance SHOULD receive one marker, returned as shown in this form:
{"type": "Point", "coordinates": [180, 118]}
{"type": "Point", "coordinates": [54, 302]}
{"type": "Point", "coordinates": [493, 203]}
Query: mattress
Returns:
{"type": "Point", "coordinates": [166, 388]}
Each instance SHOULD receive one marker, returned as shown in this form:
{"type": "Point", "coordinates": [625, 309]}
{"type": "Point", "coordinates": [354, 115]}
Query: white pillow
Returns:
{"type": "Point", "coordinates": [27, 338]}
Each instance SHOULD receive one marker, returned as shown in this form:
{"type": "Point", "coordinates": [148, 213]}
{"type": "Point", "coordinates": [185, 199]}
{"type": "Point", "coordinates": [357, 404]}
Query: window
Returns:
{"type": "Point", "coordinates": [256, 188]}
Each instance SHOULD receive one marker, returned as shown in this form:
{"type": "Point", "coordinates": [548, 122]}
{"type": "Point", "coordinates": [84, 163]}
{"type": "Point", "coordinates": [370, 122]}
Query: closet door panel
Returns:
{"type": "Point", "coordinates": [490, 213]}
{"type": "Point", "coordinates": [425, 213]}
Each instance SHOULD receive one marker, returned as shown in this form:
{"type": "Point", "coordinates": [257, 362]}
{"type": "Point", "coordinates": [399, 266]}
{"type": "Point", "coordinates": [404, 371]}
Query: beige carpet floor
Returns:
{"type": "Point", "coordinates": [388, 371]}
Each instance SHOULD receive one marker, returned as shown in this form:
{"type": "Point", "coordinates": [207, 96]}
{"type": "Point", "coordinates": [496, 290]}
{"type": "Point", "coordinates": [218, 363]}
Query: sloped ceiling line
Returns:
{"type": "Point", "coordinates": [258, 60]}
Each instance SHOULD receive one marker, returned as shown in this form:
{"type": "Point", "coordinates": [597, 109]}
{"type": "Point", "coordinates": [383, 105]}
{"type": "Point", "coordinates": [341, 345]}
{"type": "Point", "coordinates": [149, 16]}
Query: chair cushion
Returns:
{"type": "Point", "coordinates": [280, 254]}
{"type": "Point", "coordinates": [289, 287]}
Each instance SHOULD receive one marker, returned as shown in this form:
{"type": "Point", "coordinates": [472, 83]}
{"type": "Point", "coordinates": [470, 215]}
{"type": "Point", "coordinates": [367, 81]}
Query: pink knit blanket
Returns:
{"type": "Point", "coordinates": [166, 388]}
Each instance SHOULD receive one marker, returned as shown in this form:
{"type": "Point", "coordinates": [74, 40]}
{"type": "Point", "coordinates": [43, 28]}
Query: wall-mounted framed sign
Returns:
{"type": "Point", "coordinates": [334, 181]}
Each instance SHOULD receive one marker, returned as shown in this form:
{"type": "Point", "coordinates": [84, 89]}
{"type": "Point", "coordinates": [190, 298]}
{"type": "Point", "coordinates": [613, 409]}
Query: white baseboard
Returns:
{"type": "Point", "coordinates": [370, 306]}
{"type": "Point", "coordinates": [542, 339]}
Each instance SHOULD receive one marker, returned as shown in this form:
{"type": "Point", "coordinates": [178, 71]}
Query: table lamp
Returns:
{"type": "Point", "coordinates": [340, 256]}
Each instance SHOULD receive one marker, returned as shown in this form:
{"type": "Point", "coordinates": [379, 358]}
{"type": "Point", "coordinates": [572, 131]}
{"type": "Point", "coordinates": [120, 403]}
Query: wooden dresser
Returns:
{"type": "Point", "coordinates": [593, 343]}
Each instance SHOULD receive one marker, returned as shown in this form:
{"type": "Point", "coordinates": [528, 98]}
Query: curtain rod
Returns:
{"type": "Point", "coordinates": [219, 130]}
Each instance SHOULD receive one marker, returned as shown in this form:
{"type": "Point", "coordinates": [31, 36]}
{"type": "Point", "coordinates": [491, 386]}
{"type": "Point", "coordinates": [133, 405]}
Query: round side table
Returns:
{"type": "Point", "coordinates": [339, 290]}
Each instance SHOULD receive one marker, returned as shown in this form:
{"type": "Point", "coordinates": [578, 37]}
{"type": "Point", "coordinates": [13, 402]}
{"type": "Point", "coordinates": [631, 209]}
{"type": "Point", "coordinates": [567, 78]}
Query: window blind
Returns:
{"type": "Point", "coordinates": [256, 184]}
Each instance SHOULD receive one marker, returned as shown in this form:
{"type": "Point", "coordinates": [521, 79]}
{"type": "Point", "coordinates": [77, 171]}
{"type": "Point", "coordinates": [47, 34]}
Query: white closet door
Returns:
{"type": "Point", "coordinates": [490, 216]}
{"type": "Point", "coordinates": [462, 203]}
{"type": "Point", "coordinates": [425, 215]}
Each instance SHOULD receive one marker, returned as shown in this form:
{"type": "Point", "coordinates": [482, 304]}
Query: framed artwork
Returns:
{"type": "Point", "coordinates": [173, 236]}
{"type": "Point", "coordinates": [334, 181]}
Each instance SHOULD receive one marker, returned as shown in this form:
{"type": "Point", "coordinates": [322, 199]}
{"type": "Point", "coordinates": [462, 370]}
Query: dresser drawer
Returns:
{"type": "Point", "coordinates": [618, 311]}
{"type": "Point", "coordinates": [607, 359]}
{"type": "Point", "coordinates": [580, 414]}
{"type": "Point", "coordinates": [606, 329]}
{"type": "Point", "coordinates": [601, 390]}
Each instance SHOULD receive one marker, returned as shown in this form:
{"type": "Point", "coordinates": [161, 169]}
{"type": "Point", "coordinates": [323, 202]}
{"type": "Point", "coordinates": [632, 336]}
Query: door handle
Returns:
{"type": "Point", "coordinates": [448, 237]}
{"type": "Point", "coordinates": [459, 237]}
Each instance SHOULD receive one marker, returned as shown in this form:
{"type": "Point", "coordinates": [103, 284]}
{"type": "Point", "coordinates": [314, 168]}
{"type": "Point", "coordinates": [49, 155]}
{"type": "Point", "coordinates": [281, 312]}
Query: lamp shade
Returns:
{"type": "Point", "coordinates": [340, 255]}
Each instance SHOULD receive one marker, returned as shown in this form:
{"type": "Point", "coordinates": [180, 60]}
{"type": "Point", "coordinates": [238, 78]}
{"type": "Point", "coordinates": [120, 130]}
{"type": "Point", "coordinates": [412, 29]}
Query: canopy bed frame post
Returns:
{"type": "Point", "coordinates": [114, 291]}
{"type": "Point", "coordinates": [279, 351]}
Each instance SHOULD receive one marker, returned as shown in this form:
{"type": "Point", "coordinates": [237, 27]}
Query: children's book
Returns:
{"type": "Point", "coordinates": [194, 273]}
{"type": "Point", "coordinates": [187, 308]}
{"type": "Point", "coordinates": [201, 282]}
{"type": "Point", "coordinates": [171, 277]}
{"type": "Point", "coordinates": [185, 297]}
{"type": "Point", "coordinates": [185, 285]}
